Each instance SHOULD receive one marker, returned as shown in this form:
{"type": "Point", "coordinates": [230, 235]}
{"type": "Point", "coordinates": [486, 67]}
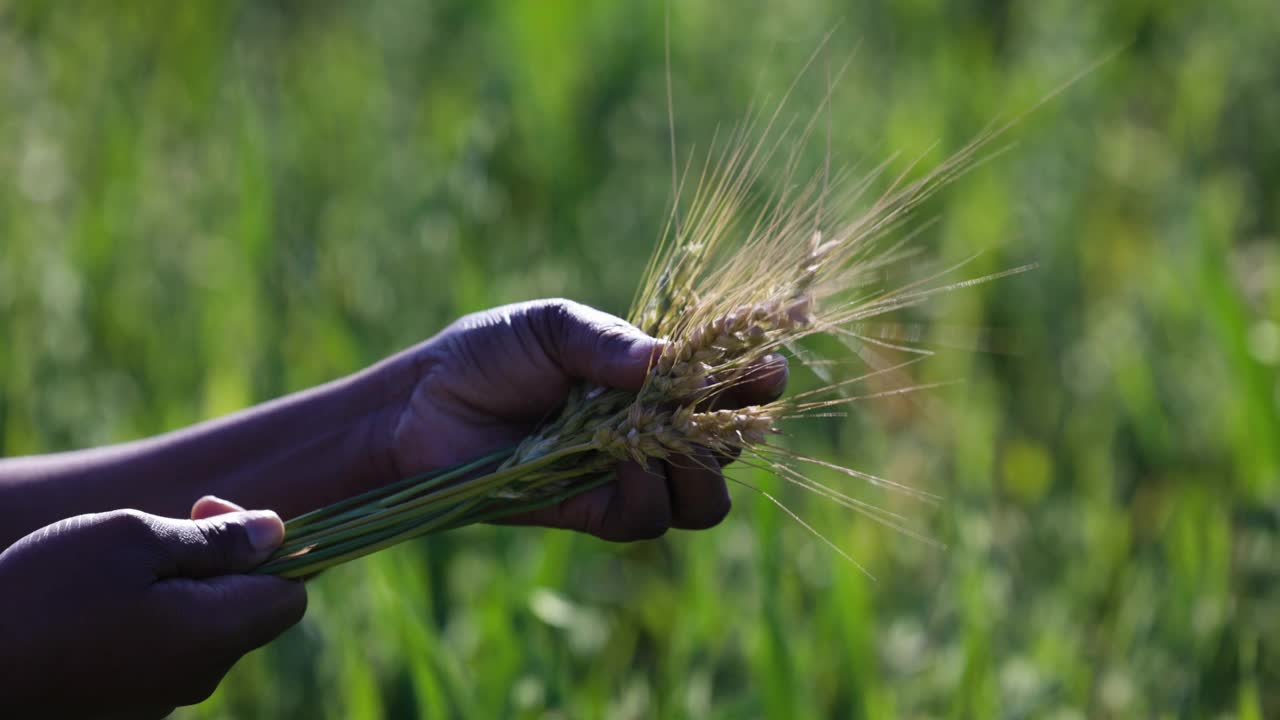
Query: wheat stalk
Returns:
{"type": "Point", "coordinates": [725, 288]}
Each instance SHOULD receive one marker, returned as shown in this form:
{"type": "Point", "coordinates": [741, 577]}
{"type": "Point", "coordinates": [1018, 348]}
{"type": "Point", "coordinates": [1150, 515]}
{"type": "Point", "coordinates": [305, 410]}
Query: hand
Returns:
{"type": "Point", "coordinates": [487, 381]}
{"type": "Point", "coordinates": [132, 614]}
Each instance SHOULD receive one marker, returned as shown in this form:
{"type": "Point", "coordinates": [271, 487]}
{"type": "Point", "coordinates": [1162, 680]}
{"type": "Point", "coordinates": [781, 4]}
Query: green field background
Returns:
{"type": "Point", "coordinates": [207, 204]}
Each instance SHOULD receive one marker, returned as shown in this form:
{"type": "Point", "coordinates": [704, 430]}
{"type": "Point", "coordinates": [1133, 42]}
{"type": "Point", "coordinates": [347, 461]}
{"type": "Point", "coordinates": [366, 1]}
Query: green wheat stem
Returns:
{"type": "Point", "coordinates": [320, 514]}
{"type": "Point", "coordinates": [375, 519]}
{"type": "Point", "coordinates": [373, 500]}
{"type": "Point", "coordinates": [365, 544]}
{"type": "Point", "coordinates": [508, 510]}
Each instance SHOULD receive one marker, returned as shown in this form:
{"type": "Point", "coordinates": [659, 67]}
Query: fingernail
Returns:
{"type": "Point", "coordinates": [644, 349]}
{"type": "Point", "coordinates": [265, 529]}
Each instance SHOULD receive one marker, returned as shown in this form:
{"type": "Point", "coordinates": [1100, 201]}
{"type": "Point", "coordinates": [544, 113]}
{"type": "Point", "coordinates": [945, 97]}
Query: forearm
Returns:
{"type": "Point", "coordinates": [290, 455]}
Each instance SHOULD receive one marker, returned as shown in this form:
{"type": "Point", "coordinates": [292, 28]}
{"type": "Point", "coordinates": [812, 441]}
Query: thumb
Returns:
{"type": "Point", "coordinates": [226, 544]}
{"type": "Point", "coordinates": [204, 595]}
{"type": "Point", "coordinates": [595, 345]}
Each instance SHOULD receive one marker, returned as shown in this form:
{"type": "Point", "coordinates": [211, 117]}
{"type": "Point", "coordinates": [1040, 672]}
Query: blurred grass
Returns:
{"type": "Point", "coordinates": [207, 204]}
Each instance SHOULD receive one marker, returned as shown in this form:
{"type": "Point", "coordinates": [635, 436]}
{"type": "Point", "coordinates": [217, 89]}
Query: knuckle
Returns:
{"type": "Point", "coordinates": [557, 315]}
{"type": "Point", "coordinates": [559, 306]}
{"type": "Point", "coordinates": [553, 324]}
{"type": "Point", "coordinates": [123, 519]}
{"type": "Point", "coordinates": [226, 540]}
{"type": "Point", "coordinates": [128, 524]}
{"type": "Point", "coordinates": [611, 337]}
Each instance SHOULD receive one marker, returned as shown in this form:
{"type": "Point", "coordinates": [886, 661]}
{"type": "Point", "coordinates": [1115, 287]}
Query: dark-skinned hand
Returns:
{"type": "Point", "coordinates": [124, 614]}
{"type": "Point", "coordinates": [130, 614]}
{"type": "Point", "coordinates": [486, 381]}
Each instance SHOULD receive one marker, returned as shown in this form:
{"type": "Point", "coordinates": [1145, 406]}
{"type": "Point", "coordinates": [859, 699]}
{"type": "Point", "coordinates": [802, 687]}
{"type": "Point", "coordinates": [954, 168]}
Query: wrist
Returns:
{"type": "Point", "coordinates": [367, 407]}
{"type": "Point", "coordinates": [330, 442]}
{"type": "Point", "coordinates": [291, 455]}
{"type": "Point", "coordinates": [375, 405]}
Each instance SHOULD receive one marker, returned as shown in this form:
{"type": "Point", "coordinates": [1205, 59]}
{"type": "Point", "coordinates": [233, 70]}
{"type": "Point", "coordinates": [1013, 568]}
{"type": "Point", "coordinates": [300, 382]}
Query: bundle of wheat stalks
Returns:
{"type": "Point", "coordinates": [735, 279]}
